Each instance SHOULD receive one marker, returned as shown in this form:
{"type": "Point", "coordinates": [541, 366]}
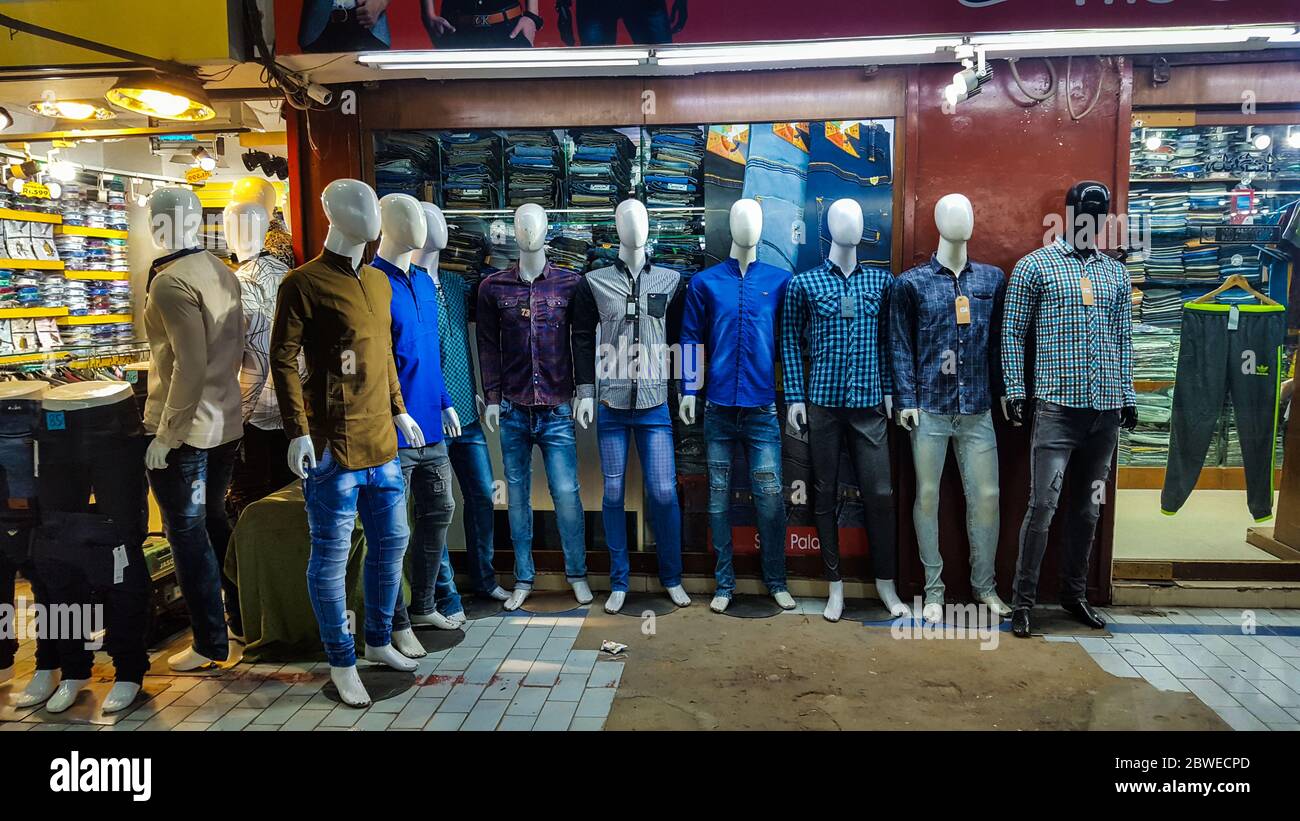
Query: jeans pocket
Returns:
{"type": "Point", "coordinates": [326, 467]}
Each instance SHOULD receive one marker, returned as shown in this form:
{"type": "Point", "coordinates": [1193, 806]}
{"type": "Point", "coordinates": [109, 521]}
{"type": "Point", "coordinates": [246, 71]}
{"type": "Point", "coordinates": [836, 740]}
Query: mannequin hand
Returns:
{"type": "Point", "coordinates": [796, 416]}
{"type": "Point", "coordinates": [1014, 410]}
{"type": "Point", "coordinates": [909, 418]}
{"type": "Point", "coordinates": [686, 410]}
{"type": "Point", "coordinates": [584, 410]}
{"type": "Point", "coordinates": [492, 417]}
{"type": "Point", "coordinates": [1128, 417]}
{"type": "Point", "coordinates": [408, 427]}
{"type": "Point", "coordinates": [155, 456]}
{"type": "Point", "coordinates": [479, 405]}
{"type": "Point", "coordinates": [302, 456]}
{"type": "Point", "coordinates": [450, 423]}
{"type": "Point", "coordinates": [889, 406]}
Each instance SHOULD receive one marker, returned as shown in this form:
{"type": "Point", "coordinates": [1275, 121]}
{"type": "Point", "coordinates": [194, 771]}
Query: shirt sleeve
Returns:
{"type": "Point", "coordinates": [1122, 316]}
{"type": "Point", "coordinates": [488, 332]}
{"type": "Point", "coordinates": [695, 318]}
{"type": "Point", "coordinates": [883, 337]}
{"type": "Point", "coordinates": [182, 317]}
{"type": "Point", "coordinates": [292, 313]}
{"type": "Point", "coordinates": [997, 381]}
{"type": "Point", "coordinates": [794, 316]}
{"type": "Point", "coordinates": [586, 316]}
{"type": "Point", "coordinates": [1021, 292]}
{"type": "Point", "coordinates": [902, 354]}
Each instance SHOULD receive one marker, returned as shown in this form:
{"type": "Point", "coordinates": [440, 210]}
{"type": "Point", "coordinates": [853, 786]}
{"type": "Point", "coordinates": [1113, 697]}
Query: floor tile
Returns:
{"type": "Point", "coordinates": [1212, 694]}
{"type": "Point", "coordinates": [534, 637]}
{"type": "Point", "coordinates": [461, 698]}
{"type": "Point", "coordinates": [305, 719]}
{"type": "Point", "coordinates": [1162, 679]}
{"type": "Point", "coordinates": [416, 713]}
{"type": "Point", "coordinates": [543, 674]}
{"type": "Point", "coordinates": [528, 701]}
{"type": "Point", "coordinates": [569, 687]}
{"type": "Point", "coordinates": [580, 661]}
{"type": "Point", "coordinates": [1113, 664]}
{"type": "Point", "coordinates": [342, 716]}
{"type": "Point", "coordinates": [502, 686]}
{"type": "Point", "coordinates": [606, 674]}
{"type": "Point", "coordinates": [445, 722]}
{"type": "Point", "coordinates": [374, 722]}
{"type": "Point", "coordinates": [516, 723]}
{"type": "Point", "coordinates": [1263, 708]}
{"type": "Point", "coordinates": [1239, 718]}
{"type": "Point", "coordinates": [587, 724]}
{"type": "Point", "coordinates": [597, 702]}
{"type": "Point", "coordinates": [555, 715]}
{"type": "Point", "coordinates": [485, 715]}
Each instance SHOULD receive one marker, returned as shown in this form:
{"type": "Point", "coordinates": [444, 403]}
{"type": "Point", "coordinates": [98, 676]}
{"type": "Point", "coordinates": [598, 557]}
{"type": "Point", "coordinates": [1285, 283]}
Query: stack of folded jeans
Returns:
{"type": "Point", "coordinates": [672, 175]}
{"type": "Point", "coordinates": [534, 168]}
{"type": "Point", "coordinates": [848, 159]}
{"type": "Point", "coordinates": [776, 175]}
{"type": "Point", "coordinates": [1155, 352]}
{"type": "Point", "coordinates": [724, 182]}
{"type": "Point", "coordinates": [677, 242]}
{"type": "Point", "coordinates": [472, 170]}
{"type": "Point", "coordinates": [1220, 142]}
{"type": "Point", "coordinates": [1200, 262]}
{"type": "Point", "coordinates": [405, 161]}
{"type": "Point", "coordinates": [600, 171]}
{"type": "Point", "coordinates": [1152, 152]}
{"type": "Point", "coordinates": [1162, 307]}
{"type": "Point", "coordinates": [467, 247]}
{"type": "Point", "coordinates": [1190, 157]}
{"type": "Point", "coordinates": [568, 250]}
{"type": "Point", "coordinates": [503, 247]}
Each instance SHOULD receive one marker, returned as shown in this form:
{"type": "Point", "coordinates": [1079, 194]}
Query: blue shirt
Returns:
{"type": "Point", "coordinates": [1084, 355]}
{"type": "Point", "coordinates": [842, 320]}
{"type": "Point", "coordinates": [940, 366]}
{"type": "Point", "coordinates": [733, 320]}
{"type": "Point", "coordinates": [416, 351]}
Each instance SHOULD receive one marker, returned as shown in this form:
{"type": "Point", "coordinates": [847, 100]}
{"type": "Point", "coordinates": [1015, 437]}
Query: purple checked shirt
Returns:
{"type": "Point", "coordinates": [524, 352]}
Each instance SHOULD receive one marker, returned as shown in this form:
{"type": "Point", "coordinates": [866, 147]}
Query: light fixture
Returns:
{"type": "Point", "coordinates": [25, 170]}
{"type": "Point", "coordinates": [71, 109]}
{"type": "Point", "coordinates": [16, 185]}
{"type": "Point", "coordinates": [1105, 41]}
{"type": "Point", "coordinates": [477, 66]}
{"type": "Point", "coordinates": [167, 97]}
{"type": "Point", "coordinates": [868, 49]}
{"type": "Point", "coordinates": [1153, 143]}
{"type": "Point", "coordinates": [1261, 142]}
{"type": "Point", "coordinates": [269, 165]}
{"type": "Point", "coordinates": [203, 159]}
{"type": "Point", "coordinates": [1292, 137]}
{"type": "Point", "coordinates": [6, 119]}
{"type": "Point", "coordinates": [253, 159]}
{"type": "Point", "coordinates": [974, 74]}
{"type": "Point", "coordinates": [478, 59]}
{"type": "Point", "coordinates": [55, 190]}
{"type": "Point", "coordinates": [61, 170]}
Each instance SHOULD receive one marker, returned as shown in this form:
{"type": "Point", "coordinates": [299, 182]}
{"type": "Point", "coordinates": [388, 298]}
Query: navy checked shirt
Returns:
{"type": "Point", "coordinates": [1084, 352]}
{"type": "Point", "coordinates": [849, 355]}
{"type": "Point", "coordinates": [940, 366]}
{"type": "Point", "coordinates": [733, 320]}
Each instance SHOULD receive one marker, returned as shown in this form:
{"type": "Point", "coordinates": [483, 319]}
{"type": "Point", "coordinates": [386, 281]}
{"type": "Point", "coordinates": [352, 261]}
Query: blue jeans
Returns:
{"type": "Point", "coordinates": [654, 442]}
{"type": "Point", "coordinates": [191, 494]}
{"type": "Point", "coordinates": [759, 432]}
{"type": "Point", "coordinates": [776, 175]}
{"type": "Point", "coordinates": [551, 429]}
{"type": "Point", "coordinates": [472, 463]}
{"type": "Point", "coordinates": [977, 460]}
{"type": "Point", "coordinates": [334, 497]}
{"type": "Point", "coordinates": [427, 473]}
{"type": "Point", "coordinates": [834, 174]}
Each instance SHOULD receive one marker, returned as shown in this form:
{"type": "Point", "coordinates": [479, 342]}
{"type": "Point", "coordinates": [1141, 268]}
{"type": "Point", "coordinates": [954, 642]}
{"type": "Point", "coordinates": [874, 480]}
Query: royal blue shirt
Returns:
{"type": "Point", "coordinates": [734, 321]}
{"type": "Point", "coordinates": [415, 349]}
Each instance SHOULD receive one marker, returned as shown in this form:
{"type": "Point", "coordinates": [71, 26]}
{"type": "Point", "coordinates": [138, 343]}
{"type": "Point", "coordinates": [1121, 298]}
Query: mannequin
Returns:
{"type": "Point", "coordinates": [470, 459]}
{"type": "Point", "coordinates": [730, 316]}
{"type": "Point", "coordinates": [518, 308]}
{"type": "Point", "coordinates": [949, 305]}
{"type": "Point", "coordinates": [426, 469]}
{"type": "Point", "coordinates": [632, 305]}
{"type": "Point", "coordinates": [196, 333]}
{"type": "Point", "coordinates": [1081, 300]}
{"type": "Point", "coordinates": [860, 295]}
{"type": "Point", "coordinates": [262, 192]}
{"type": "Point", "coordinates": [245, 224]}
{"type": "Point", "coordinates": [103, 413]}
{"type": "Point", "coordinates": [326, 312]}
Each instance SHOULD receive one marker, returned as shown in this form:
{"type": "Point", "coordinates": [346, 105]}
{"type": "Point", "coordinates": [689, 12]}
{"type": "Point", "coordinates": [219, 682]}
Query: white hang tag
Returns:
{"type": "Point", "coordinates": [1234, 317]}
{"type": "Point", "coordinates": [120, 562]}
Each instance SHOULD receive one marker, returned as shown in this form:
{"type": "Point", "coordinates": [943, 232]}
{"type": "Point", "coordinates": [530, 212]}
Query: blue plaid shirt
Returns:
{"type": "Point", "coordinates": [1084, 352]}
{"type": "Point", "coordinates": [940, 366]}
{"type": "Point", "coordinates": [850, 362]}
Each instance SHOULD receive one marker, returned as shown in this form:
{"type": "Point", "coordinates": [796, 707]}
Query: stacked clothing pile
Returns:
{"type": "Point", "coordinates": [534, 168]}
{"type": "Point", "coordinates": [1220, 142]}
{"type": "Point", "coordinates": [1168, 233]}
{"type": "Point", "coordinates": [677, 242]}
{"type": "Point", "coordinates": [405, 161]}
{"type": "Point", "coordinates": [1148, 444]}
{"type": "Point", "coordinates": [78, 336]}
{"type": "Point", "coordinates": [1240, 259]}
{"type": "Point", "coordinates": [471, 170]}
{"type": "Point", "coordinates": [1135, 262]}
{"type": "Point", "coordinates": [672, 177]}
{"type": "Point", "coordinates": [1155, 352]}
{"type": "Point", "coordinates": [600, 171]}
{"type": "Point", "coordinates": [116, 204]}
{"type": "Point", "coordinates": [27, 285]}
{"type": "Point", "coordinates": [96, 214]}
{"type": "Point", "coordinates": [52, 289]}
{"type": "Point", "coordinates": [1207, 205]}
{"type": "Point", "coordinates": [1151, 152]}
{"type": "Point", "coordinates": [1189, 159]}
{"type": "Point", "coordinates": [1162, 307]}
{"type": "Point", "coordinates": [122, 332]}
{"type": "Point", "coordinates": [119, 296]}
{"type": "Point", "coordinates": [1200, 261]}
{"type": "Point", "coordinates": [72, 250]}
{"type": "Point", "coordinates": [504, 248]}
{"type": "Point", "coordinates": [77, 293]}
{"type": "Point", "coordinates": [568, 249]}
{"type": "Point", "coordinates": [8, 293]}
{"type": "Point", "coordinates": [1286, 160]}
{"type": "Point", "coordinates": [467, 247]}
{"type": "Point", "coordinates": [72, 206]}
{"type": "Point", "coordinates": [117, 259]}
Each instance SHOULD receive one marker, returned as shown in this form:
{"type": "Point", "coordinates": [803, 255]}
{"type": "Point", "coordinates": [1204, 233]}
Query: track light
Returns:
{"type": "Point", "coordinates": [270, 166]}
{"type": "Point", "coordinates": [25, 170]}
{"type": "Point", "coordinates": [203, 159]}
{"type": "Point", "coordinates": [6, 119]}
{"type": "Point", "coordinates": [254, 159]}
{"type": "Point", "coordinates": [62, 170]}
{"type": "Point", "coordinates": [974, 74]}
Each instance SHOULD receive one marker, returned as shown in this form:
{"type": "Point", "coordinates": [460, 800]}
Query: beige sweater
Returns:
{"type": "Point", "coordinates": [195, 327]}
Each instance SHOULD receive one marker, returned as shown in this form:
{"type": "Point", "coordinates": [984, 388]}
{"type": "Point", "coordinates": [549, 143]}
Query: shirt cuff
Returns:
{"type": "Point", "coordinates": [1016, 393]}
{"type": "Point", "coordinates": [587, 391]}
{"type": "Point", "coordinates": [492, 397]}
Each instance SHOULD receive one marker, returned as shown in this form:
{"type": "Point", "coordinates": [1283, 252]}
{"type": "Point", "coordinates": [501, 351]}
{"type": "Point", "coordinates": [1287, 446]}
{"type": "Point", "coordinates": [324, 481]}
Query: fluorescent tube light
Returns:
{"type": "Point", "coordinates": [1112, 39]}
{"type": "Point", "coordinates": [504, 66]}
{"type": "Point", "coordinates": [867, 49]}
{"type": "Point", "coordinates": [489, 57]}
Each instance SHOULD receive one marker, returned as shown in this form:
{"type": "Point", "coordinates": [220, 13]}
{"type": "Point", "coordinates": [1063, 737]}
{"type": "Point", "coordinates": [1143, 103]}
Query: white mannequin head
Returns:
{"type": "Point", "coordinates": [632, 223]}
{"type": "Point", "coordinates": [352, 210]}
{"type": "Point", "coordinates": [954, 217]}
{"type": "Point", "coordinates": [746, 223]}
{"type": "Point", "coordinates": [175, 217]}
{"type": "Point", "coordinates": [255, 189]}
{"type": "Point", "coordinates": [530, 227]}
{"type": "Point", "coordinates": [404, 225]}
{"type": "Point", "coordinates": [435, 237]}
{"type": "Point", "coordinates": [844, 219]}
{"type": "Point", "coordinates": [246, 224]}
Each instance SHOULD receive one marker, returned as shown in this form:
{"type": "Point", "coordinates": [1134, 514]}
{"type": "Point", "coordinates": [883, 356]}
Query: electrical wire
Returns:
{"type": "Point", "coordinates": [293, 85]}
{"type": "Point", "coordinates": [1069, 98]}
{"type": "Point", "coordinates": [1047, 94]}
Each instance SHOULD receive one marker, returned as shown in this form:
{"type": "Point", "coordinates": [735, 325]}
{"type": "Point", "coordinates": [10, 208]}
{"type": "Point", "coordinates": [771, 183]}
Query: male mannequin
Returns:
{"type": "Point", "coordinates": [840, 307]}
{"type": "Point", "coordinates": [426, 470]}
{"type": "Point", "coordinates": [1078, 300]}
{"type": "Point", "coordinates": [525, 354]}
{"type": "Point", "coordinates": [327, 312]}
{"type": "Point", "coordinates": [944, 316]}
{"type": "Point", "coordinates": [196, 336]}
{"type": "Point", "coordinates": [637, 309]}
{"type": "Point", "coordinates": [470, 459]}
{"type": "Point", "coordinates": [262, 191]}
{"type": "Point", "coordinates": [731, 315]}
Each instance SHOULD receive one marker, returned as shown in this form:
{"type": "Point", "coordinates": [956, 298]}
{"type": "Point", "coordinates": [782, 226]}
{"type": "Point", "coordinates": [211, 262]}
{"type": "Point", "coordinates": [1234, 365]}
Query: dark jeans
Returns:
{"type": "Point", "coordinates": [472, 463]}
{"type": "Point", "coordinates": [344, 35]}
{"type": "Point", "coordinates": [496, 35]}
{"type": "Point", "coordinates": [19, 420]}
{"type": "Point", "coordinates": [646, 21]}
{"type": "Point", "coordinates": [261, 468]}
{"type": "Point", "coordinates": [866, 432]}
{"type": "Point", "coordinates": [1074, 447]}
{"type": "Point", "coordinates": [191, 493]}
{"type": "Point", "coordinates": [427, 473]}
{"type": "Point", "coordinates": [82, 552]}
{"type": "Point", "coordinates": [15, 558]}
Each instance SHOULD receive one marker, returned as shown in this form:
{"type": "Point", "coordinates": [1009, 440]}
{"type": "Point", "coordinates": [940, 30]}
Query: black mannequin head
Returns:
{"type": "Point", "coordinates": [1087, 204]}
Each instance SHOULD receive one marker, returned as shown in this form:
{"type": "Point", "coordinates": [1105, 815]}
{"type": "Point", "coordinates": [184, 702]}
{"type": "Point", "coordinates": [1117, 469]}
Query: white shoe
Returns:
{"type": "Point", "coordinates": [6, 674]}
{"type": "Point", "coordinates": [122, 695]}
{"type": "Point", "coordinates": [994, 603]}
{"type": "Point", "coordinates": [889, 597]}
{"type": "Point", "coordinates": [679, 596]}
{"type": "Point", "coordinates": [932, 613]}
{"type": "Point", "coordinates": [388, 655]}
{"type": "Point", "coordinates": [458, 618]}
{"type": "Point", "coordinates": [517, 598]}
{"type": "Point", "coordinates": [615, 601]}
{"type": "Point", "coordinates": [39, 689]}
{"type": "Point", "coordinates": [189, 660]}
{"type": "Point", "coordinates": [499, 593]}
{"type": "Point", "coordinates": [348, 682]}
{"type": "Point", "coordinates": [436, 619]}
{"type": "Point", "coordinates": [785, 600]}
{"type": "Point", "coordinates": [719, 604]}
{"type": "Point", "coordinates": [66, 694]}
{"type": "Point", "coordinates": [408, 645]}
{"type": "Point", "coordinates": [582, 591]}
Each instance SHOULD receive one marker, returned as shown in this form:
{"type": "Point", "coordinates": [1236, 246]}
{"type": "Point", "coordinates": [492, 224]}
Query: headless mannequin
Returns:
{"type": "Point", "coordinates": [426, 255]}
{"type": "Point", "coordinates": [845, 221]}
{"type": "Point", "coordinates": [633, 225]}
{"type": "Point", "coordinates": [246, 224]}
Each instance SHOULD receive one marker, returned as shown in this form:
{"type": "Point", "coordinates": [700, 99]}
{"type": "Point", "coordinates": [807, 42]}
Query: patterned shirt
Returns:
{"type": "Point", "coordinates": [843, 322]}
{"type": "Point", "coordinates": [1084, 352]}
{"type": "Point", "coordinates": [524, 349]}
{"type": "Point", "coordinates": [259, 282]}
{"type": "Point", "coordinates": [453, 334]}
{"type": "Point", "coordinates": [941, 366]}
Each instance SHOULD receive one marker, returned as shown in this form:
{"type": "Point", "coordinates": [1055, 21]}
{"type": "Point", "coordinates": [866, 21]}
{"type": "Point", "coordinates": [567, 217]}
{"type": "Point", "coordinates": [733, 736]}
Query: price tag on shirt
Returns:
{"type": "Point", "coordinates": [962, 306]}
{"type": "Point", "coordinates": [1234, 317]}
{"type": "Point", "coordinates": [630, 311]}
{"type": "Point", "coordinates": [1085, 290]}
{"type": "Point", "coordinates": [848, 307]}
{"type": "Point", "coordinates": [120, 562]}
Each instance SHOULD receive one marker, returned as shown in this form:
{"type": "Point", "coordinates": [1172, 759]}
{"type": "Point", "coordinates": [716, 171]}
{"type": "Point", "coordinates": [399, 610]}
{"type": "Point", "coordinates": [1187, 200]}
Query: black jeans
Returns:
{"type": "Point", "coordinates": [496, 35]}
{"type": "Point", "coordinates": [83, 551]}
{"type": "Point", "coordinates": [427, 473]}
{"type": "Point", "coordinates": [15, 558]}
{"type": "Point", "coordinates": [1072, 448]}
{"type": "Point", "coordinates": [19, 421]}
{"type": "Point", "coordinates": [866, 432]}
{"type": "Point", "coordinates": [646, 21]}
{"type": "Point", "coordinates": [261, 468]}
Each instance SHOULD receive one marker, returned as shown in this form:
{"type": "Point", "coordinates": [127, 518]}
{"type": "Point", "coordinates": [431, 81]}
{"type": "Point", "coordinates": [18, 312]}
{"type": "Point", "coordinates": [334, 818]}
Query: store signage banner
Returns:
{"type": "Point", "coordinates": [368, 25]}
{"type": "Point", "coordinates": [799, 541]}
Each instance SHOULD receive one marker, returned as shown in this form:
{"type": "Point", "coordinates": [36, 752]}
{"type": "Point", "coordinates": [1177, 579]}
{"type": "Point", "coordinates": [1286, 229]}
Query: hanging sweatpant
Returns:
{"type": "Point", "coordinates": [1234, 351]}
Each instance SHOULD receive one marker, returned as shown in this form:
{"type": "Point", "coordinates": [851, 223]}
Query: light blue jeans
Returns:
{"type": "Point", "coordinates": [776, 175]}
{"type": "Point", "coordinates": [977, 459]}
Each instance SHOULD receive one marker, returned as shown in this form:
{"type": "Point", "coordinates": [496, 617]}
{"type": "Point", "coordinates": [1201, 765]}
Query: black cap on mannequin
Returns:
{"type": "Point", "coordinates": [1087, 204]}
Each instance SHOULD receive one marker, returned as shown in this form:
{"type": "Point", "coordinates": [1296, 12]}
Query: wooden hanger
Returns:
{"type": "Point", "coordinates": [1235, 281]}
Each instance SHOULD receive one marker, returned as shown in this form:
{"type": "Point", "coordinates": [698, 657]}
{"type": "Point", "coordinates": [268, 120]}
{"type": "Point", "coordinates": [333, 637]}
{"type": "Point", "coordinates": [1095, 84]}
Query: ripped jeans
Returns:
{"type": "Point", "coordinates": [758, 430]}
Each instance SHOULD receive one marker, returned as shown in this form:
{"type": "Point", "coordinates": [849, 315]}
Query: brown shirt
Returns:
{"type": "Point", "coordinates": [339, 318]}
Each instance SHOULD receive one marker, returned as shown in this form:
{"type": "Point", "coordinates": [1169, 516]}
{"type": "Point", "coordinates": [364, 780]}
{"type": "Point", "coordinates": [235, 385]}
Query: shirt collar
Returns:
{"type": "Point", "coordinates": [622, 266]}
{"type": "Point", "coordinates": [387, 267]}
{"type": "Point", "coordinates": [939, 266]}
{"type": "Point", "coordinates": [1065, 249]}
{"type": "Point", "coordinates": [167, 259]}
{"type": "Point", "coordinates": [835, 269]}
{"type": "Point", "coordinates": [339, 262]}
{"type": "Point", "coordinates": [514, 272]}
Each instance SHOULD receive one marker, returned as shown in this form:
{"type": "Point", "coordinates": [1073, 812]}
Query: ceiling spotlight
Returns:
{"type": "Point", "coordinates": [54, 189]}
{"type": "Point", "coordinates": [71, 109]}
{"type": "Point", "coordinates": [62, 170]}
{"type": "Point", "coordinates": [203, 159]}
{"type": "Point", "coordinates": [254, 159]}
{"type": "Point", "coordinates": [6, 119]}
{"type": "Point", "coordinates": [1153, 143]}
{"type": "Point", "coordinates": [1262, 142]}
{"type": "Point", "coordinates": [26, 170]}
{"type": "Point", "coordinates": [278, 167]}
{"type": "Point", "coordinates": [167, 97]}
{"type": "Point", "coordinates": [968, 82]}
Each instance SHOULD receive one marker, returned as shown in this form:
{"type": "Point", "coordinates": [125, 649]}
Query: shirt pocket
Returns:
{"type": "Point", "coordinates": [656, 305]}
{"type": "Point", "coordinates": [553, 310]}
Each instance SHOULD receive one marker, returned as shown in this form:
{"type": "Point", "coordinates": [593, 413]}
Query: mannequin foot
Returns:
{"type": "Point", "coordinates": [582, 591]}
{"type": "Point", "coordinates": [784, 600]}
{"type": "Point", "coordinates": [889, 597]}
{"type": "Point", "coordinates": [458, 618]}
{"type": "Point", "coordinates": [834, 602]}
{"type": "Point", "coordinates": [517, 598]}
{"type": "Point", "coordinates": [435, 619]}
{"type": "Point", "coordinates": [122, 695]}
{"type": "Point", "coordinates": [719, 604]}
{"type": "Point", "coordinates": [6, 674]}
{"type": "Point", "coordinates": [39, 689]}
{"type": "Point", "coordinates": [349, 685]}
{"type": "Point", "coordinates": [932, 613]}
{"type": "Point", "coordinates": [499, 593]}
{"type": "Point", "coordinates": [189, 660]}
{"type": "Point", "coordinates": [992, 602]}
{"type": "Point", "coordinates": [408, 645]}
{"type": "Point", "coordinates": [389, 656]}
{"type": "Point", "coordinates": [66, 694]}
{"type": "Point", "coordinates": [679, 596]}
{"type": "Point", "coordinates": [615, 601]}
